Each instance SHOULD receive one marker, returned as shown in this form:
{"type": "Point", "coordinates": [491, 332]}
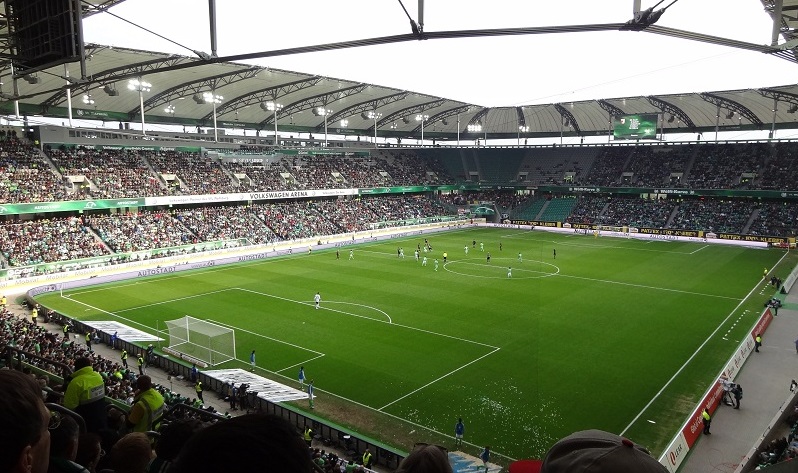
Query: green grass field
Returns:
{"type": "Point", "coordinates": [616, 334]}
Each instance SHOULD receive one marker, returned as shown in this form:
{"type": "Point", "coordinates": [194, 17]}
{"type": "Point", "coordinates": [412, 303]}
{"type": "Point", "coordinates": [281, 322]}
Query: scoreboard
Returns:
{"type": "Point", "coordinates": [635, 127]}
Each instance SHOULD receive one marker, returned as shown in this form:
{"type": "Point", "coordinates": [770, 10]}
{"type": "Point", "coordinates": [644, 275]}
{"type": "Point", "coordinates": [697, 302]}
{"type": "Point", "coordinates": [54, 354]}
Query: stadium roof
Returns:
{"type": "Point", "coordinates": [179, 82]}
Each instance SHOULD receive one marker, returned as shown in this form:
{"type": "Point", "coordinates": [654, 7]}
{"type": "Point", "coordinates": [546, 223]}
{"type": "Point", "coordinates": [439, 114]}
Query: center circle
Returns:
{"type": "Point", "coordinates": [520, 270]}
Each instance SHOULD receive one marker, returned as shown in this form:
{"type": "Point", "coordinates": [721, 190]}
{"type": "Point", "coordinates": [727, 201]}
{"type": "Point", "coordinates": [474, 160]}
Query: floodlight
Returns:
{"type": "Point", "coordinates": [373, 115]}
{"type": "Point", "coordinates": [422, 118]}
{"type": "Point", "coordinates": [210, 97]}
{"type": "Point", "coordinates": [474, 128]}
{"type": "Point", "coordinates": [344, 123]}
{"type": "Point", "coordinates": [31, 79]}
{"type": "Point", "coordinates": [170, 109]}
{"type": "Point", "coordinates": [88, 100]}
{"type": "Point", "coordinates": [523, 129]}
{"type": "Point", "coordinates": [139, 85]}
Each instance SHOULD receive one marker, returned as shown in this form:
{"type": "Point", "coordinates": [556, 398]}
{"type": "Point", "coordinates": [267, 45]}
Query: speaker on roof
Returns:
{"type": "Point", "coordinates": [44, 33]}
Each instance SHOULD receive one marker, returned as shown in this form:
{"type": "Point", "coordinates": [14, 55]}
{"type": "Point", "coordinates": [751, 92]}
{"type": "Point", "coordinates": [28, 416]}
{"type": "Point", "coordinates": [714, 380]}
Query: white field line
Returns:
{"type": "Point", "coordinates": [372, 319]}
{"type": "Point", "coordinates": [695, 353]}
{"type": "Point", "coordinates": [696, 251]}
{"type": "Point", "coordinates": [227, 267]}
{"type": "Point", "coordinates": [111, 313]}
{"type": "Point", "coordinates": [390, 321]}
{"type": "Point", "coordinates": [172, 300]}
{"type": "Point", "coordinates": [267, 337]}
{"type": "Point", "coordinates": [522, 269]}
{"type": "Point", "coordinates": [438, 379]}
{"type": "Point", "coordinates": [648, 287]}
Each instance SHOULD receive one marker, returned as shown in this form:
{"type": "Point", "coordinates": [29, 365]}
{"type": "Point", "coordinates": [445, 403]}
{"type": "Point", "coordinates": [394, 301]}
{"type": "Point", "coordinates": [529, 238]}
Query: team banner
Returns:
{"type": "Point", "coordinates": [69, 206]}
{"type": "Point", "coordinates": [246, 196]}
{"type": "Point", "coordinates": [416, 189]}
{"type": "Point", "coordinates": [665, 191]}
{"type": "Point", "coordinates": [185, 149]}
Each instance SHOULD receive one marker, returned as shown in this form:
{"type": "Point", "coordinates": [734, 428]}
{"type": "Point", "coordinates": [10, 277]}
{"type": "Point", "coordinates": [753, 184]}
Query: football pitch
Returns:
{"type": "Point", "coordinates": [616, 334]}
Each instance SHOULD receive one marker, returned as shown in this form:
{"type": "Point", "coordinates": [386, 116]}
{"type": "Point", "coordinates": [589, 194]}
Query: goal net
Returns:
{"type": "Point", "coordinates": [201, 340]}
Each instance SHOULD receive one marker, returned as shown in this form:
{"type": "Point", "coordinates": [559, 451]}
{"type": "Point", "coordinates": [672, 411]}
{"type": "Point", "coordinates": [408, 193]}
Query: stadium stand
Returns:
{"type": "Point", "coordinates": [106, 174]}
{"type": "Point", "coordinates": [26, 176]}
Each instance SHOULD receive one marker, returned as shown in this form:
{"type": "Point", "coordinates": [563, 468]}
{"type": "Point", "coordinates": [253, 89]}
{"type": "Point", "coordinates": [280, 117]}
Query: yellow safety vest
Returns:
{"type": "Point", "coordinates": [86, 386]}
{"type": "Point", "coordinates": [153, 404]}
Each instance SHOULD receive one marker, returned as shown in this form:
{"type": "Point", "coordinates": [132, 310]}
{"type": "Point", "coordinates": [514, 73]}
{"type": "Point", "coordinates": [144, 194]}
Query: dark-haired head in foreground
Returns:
{"type": "Point", "coordinates": [24, 419]}
{"type": "Point", "coordinates": [253, 442]}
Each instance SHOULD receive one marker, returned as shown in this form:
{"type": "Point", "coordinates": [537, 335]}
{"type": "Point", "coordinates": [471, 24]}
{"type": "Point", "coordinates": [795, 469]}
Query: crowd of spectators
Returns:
{"type": "Point", "coordinates": [144, 230]}
{"type": "Point", "coordinates": [588, 209]}
{"type": "Point", "coordinates": [112, 173]}
{"type": "Point", "coordinates": [637, 212]}
{"type": "Point", "coordinates": [652, 166]}
{"type": "Point", "coordinates": [226, 223]}
{"type": "Point", "coordinates": [48, 240]}
{"type": "Point", "coordinates": [608, 167]}
{"type": "Point", "coordinates": [25, 176]}
{"type": "Point", "coordinates": [775, 219]}
{"type": "Point", "coordinates": [780, 172]}
{"type": "Point", "coordinates": [259, 175]}
{"type": "Point", "coordinates": [724, 166]}
{"type": "Point", "coordinates": [728, 216]}
{"type": "Point", "coordinates": [65, 239]}
{"type": "Point", "coordinates": [195, 173]}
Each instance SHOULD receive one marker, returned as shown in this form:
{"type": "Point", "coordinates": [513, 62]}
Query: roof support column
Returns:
{"type": "Point", "coordinates": [777, 8]}
{"type": "Point", "coordinates": [609, 126]}
{"type": "Point", "coordinates": [212, 18]}
{"type": "Point", "coordinates": [773, 126]}
{"type": "Point", "coordinates": [717, 122]}
{"type": "Point", "coordinates": [16, 89]}
{"type": "Point", "coordinates": [69, 95]}
{"type": "Point", "coordinates": [458, 130]}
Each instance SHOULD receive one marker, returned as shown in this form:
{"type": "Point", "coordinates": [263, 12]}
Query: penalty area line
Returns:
{"type": "Point", "coordinates": [438, 379]}
{"type": "Point", "coordinates": [695, 353]}
{"type": "Point", "coordinates": [266, 337]}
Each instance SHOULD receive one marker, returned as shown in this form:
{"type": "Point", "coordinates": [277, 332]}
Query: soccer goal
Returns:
{"type": "Point", "coordinates": [201, 340]}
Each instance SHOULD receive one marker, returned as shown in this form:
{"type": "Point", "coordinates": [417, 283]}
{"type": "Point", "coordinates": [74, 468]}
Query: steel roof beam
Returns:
{"type": "Point", "coordinates": [519, 111]}
{"type": "Point", "coordinates": [420, 108]}
{"type": "Point", "coordinates": [441, 116]}
{"type": "Point", "coordinates": [318, 100]}
{"type": "Point", "coordinates": [672, 109]}
{"type": "Point", "coordinates": [108, 76]}
{"type": "Point", "coordinates": [779, 95]}
{"type": "Point", "coordinates": [733, 106]}
{"type": "Point", "coordinates": [610, 108]}
{"type": "Point", "coordinates": [196, 86]}
{"type": "Point", "coordinates": [372, 105]}
{"type": "Point", "coordinates": [565, 113]}
{"type": "Point", "coordinates": [476, 119]}
{"type": "Point", "coordinates": [268, 93]}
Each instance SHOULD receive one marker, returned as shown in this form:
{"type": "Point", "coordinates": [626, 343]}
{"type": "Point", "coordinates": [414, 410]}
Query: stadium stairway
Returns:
{"type": "Point", "coordinates": [765, 378]}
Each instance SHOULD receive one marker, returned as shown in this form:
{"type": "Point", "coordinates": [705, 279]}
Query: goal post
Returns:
{"type": "Point", "coordinates": [202, 340]}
